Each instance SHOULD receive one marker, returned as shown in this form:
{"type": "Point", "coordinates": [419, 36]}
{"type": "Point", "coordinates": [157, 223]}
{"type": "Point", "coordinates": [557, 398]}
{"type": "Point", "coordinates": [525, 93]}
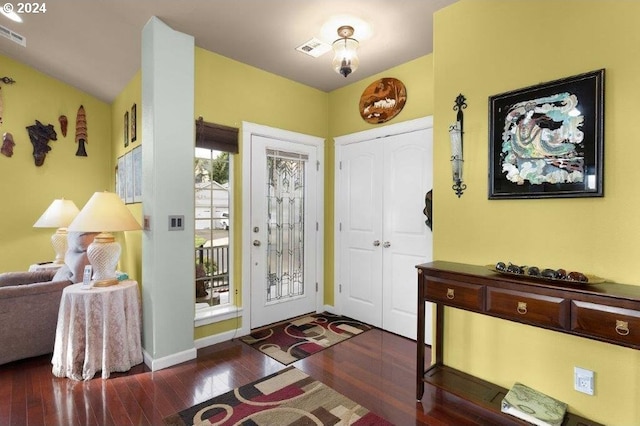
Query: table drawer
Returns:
{"type": "Point", "coordinates": [460, 295]}
{"type": "Point", "coordinates": [536, 309]}
{"type": "Point", "coordinates": [606, 322]}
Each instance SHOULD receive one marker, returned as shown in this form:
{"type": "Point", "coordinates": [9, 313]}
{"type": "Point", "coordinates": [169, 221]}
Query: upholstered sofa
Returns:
{"type": "Point", "coordinates": [29, 303]}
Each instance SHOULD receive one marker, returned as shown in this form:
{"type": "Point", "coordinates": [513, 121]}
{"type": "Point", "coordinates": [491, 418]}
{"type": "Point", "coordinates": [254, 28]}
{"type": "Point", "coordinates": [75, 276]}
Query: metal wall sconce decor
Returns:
{"type": "Point", "coordinates": [456, 132]}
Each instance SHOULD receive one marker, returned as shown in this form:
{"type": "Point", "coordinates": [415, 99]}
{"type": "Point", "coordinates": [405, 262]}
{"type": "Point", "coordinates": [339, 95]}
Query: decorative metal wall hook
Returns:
{"type": "Point", "coordinates": [7, 80]}
{"type": "Point", "coordinates": [456, 132]}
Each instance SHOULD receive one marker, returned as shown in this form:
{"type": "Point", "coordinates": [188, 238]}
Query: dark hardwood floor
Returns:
{"type": "Point", "coordinates": [375, 369]}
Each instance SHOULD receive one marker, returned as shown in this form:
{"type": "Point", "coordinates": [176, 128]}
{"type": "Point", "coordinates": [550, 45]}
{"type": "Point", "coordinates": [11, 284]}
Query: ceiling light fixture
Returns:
{"type": "Point", "coordinates": [345, 60]}
{"type": "Point", "coordinates": [8, 11]}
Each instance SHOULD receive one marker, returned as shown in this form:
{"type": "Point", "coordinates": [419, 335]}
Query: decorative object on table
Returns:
{"type": "Point", "coordinates": [7, 144]}
{"type": "Point", "coordinates": [382, 100]}
{"type": "Point", "coordinates": [533, 406]}
{"type": "Point", "coordinates": [298, 338]}
{"type": "Point", "coordinates": [40, 135]}
{"type": "Point", "coordinates": [561, 274]}
{"type": "Point", "coordinates": [105, 213]}
{"type": "Point", "coordinates": [64, 122]}
{"type": "Point", "coordinates": [288, 397]}
{"type": "Point", "coordinates": [125, 132]}
{"type": "Point", "coordinates": [428, 208]}
{"type": "Point", "coordinates": [134, 116]}
{"type": "Point", "coordinates": [345, 59]}
{"type": "Point", "coordinates": [59, 214]}
{"type": "Point", "coordinates": [456, 132]}
{"type": "Point", "coordinates": [81, 132]}
{"type": "Point", "coordinates": [547, 140]}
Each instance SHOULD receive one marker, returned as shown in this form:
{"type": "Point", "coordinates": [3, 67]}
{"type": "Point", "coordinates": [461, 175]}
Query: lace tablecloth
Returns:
{"type": "Point", "coordinates": [98, 329]}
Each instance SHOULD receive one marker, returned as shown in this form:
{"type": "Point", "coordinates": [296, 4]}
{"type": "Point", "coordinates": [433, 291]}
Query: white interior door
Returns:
{"type": "Point", "coordinates": [407, 241]}
{"type": "Point", "coordinates": [381, 182]}
{"type": "Point", "coordinates": [361, 205]}
{"type": "Point", "coordinates": [283, 229]}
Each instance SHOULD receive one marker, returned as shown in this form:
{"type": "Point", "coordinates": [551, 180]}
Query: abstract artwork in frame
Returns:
{"type": "Point", "coordinates": [546, 141]}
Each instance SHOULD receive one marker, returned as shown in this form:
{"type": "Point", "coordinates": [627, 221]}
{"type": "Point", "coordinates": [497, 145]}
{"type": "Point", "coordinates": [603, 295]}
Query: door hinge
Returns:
{"type": "Point", "coordinates": [339, 288]}
{"type": "Point", "coordinates": [317, 226]}
{"type": "Point", "coordinates": [316, 287]}
{"type": "Point", "coordinates": [340, 227]}
{"type": "Point", "coordinates": [317, 165]}
{"type": "Point", "coordinates": [340, 165]}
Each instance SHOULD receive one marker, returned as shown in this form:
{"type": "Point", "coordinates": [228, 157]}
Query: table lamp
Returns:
{"type": "Point", "coordinates": [105, 213]}
{"type": "Point", "coordinates": [58, 215]}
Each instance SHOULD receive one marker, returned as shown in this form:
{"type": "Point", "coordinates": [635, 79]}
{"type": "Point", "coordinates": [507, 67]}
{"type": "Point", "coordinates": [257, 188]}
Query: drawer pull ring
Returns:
{"type": "Point", "coordinates": [622, 327]}
{"type": "Point", "coordinates": [522, 308]}
{"type": "Point", "coordinates": [450, 293]}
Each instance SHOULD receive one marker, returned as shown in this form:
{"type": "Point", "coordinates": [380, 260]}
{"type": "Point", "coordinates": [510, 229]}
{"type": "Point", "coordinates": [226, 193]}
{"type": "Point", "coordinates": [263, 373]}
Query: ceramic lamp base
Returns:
{"type": "Point", "coordinates": [103, 254]}
{"type": "Point", "coordinates": [59, 243]}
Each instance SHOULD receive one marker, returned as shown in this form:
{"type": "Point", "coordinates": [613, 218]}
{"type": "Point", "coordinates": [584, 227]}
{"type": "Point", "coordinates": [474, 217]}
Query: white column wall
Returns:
{"type": "Point", "coordinates": [167, 186]}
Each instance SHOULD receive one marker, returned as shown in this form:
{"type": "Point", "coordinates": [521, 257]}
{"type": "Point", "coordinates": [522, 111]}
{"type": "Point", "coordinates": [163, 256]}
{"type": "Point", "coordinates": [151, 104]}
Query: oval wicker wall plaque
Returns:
{"type": "Point", "coordinates": [382, 100]}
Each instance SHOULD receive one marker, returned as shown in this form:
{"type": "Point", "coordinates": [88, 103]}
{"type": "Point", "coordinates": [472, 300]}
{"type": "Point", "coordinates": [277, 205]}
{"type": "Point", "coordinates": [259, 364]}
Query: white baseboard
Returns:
{"type": "Point", "coordinates": [330, 309]}
{"type": "Point", "coordinates": [168, 361]}
{"type": "Point", "coordinates": [219, 338]}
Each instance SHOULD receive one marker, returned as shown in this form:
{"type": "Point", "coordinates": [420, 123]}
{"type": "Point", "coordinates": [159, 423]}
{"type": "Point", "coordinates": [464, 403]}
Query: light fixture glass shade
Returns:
{"type": "Point", "coordinates": [455, 136]}
{"type": "Point", "coordinates": [345, 59]}
{"type": "Point", "coordinates": [59, 214]}
{"type": "Point", "coordinates": [105, 213]}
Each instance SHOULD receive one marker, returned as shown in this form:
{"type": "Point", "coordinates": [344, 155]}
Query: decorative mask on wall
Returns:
{"type": "Point", "coordinates": [63, 125]}
{"type": "Point", "coordinates": [40, 135]}
{"type": "Point", "coordinates": [7, 144]}
{"type": "Point", "coordinates": [81, 132]}
{"type": "Point", "coordinates": [428, 208]}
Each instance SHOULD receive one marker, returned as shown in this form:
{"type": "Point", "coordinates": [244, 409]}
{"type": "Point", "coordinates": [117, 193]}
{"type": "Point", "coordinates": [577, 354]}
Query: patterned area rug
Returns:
{"type": "Point", "coordinates": [289, 397]}
{"type": "Point", "coordinates": [298, 338]}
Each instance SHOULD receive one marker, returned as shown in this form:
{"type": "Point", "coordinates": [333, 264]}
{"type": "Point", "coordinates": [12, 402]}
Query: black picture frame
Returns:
{"type": "Point", "coordinates": [547, 140]}
{"type": "Point", "coordinates": [125, 134]}
{"type": "Point", "coordinates": [134, 117]}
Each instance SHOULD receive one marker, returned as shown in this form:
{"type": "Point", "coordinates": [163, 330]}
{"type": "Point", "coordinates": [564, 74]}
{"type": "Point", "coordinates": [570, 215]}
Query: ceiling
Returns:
{"type": "Point", "coordinates": [94, 45]}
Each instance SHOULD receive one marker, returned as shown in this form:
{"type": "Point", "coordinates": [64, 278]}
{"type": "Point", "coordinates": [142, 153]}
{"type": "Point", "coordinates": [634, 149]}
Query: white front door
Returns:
{"type": "Point", "coordinates": [283, 232]}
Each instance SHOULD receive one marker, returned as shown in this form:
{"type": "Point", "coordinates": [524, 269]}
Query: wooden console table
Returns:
{"type": "Point", "coordinates": [608, 312]}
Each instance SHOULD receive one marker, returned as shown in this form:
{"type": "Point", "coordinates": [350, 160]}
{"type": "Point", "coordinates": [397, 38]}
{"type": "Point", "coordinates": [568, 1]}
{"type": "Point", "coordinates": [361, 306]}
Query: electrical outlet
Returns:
{"type": "Point", "coordinates": [583, 380]}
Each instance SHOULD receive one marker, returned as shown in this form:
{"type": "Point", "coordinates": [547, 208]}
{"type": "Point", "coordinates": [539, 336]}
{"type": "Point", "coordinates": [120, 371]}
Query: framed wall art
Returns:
{"type": "Point", "coordinates": [546, 140]}
{"type": "Point", "coordinates": [125, 132]}
{"type": "Point", "coordinates": [134, 118]}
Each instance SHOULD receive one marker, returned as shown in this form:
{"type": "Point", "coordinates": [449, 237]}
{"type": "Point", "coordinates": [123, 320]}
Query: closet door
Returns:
{"type": "Point", "coordinates": [381, 183]}
{"type": "Point", "coordinates": [407, 241]}
{"type": "Point", "coordinates": [360, 200]}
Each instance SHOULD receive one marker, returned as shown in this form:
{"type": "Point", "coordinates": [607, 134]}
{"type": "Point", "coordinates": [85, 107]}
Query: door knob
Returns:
{"type": "Point", "coordinates": [256, 243]}
{"type": "Point", "coordinates": [386, 244]}
{"type": "Point", "coordinates": [376, 243]}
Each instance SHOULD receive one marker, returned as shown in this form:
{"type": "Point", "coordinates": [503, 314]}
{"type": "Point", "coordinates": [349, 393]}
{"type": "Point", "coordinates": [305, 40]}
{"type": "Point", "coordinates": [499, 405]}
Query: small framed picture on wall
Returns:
{"type": "Point", "coordinates": [134, 116]}
{"type": "Point", "coordinates": [125, 134]}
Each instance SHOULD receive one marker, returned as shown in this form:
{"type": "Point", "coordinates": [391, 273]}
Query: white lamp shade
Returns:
{"type": "Point", "coordinates": [58, 215]}
{"type": "Point", "coordinates": [104, 212]}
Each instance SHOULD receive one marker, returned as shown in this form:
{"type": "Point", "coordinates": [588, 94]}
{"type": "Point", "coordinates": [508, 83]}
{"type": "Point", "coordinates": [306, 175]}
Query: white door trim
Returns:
{"type": "Point", "coordinates": [339, 141]}
{"type": "Point", "coordinates": [249, 129]}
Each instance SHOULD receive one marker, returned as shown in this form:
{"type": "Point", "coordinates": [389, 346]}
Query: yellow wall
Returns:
{"type": "Point", "coordinates": [490, 47]}
{"type": "Point", "coordinates": [344, 119]}
{"type": "Point", "coordinates": [229, 92]}
{"type": "Point", "coordinates": [131, 242]}
{"type": "Point", "coordinates": [26, 190]}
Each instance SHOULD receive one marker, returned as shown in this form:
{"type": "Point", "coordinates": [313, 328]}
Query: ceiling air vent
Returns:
{"type": "Point", "coordinates": [314, 47]}
{"type": "Point", "coordinates": [15, 37]}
